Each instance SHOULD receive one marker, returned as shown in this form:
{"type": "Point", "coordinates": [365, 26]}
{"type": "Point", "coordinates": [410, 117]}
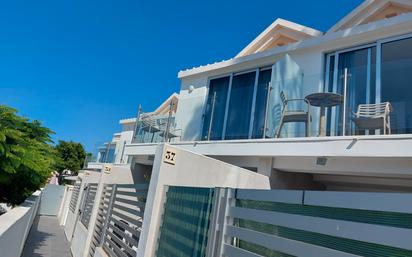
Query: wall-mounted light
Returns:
{"type": "Point", "coordinates": [191, 88]}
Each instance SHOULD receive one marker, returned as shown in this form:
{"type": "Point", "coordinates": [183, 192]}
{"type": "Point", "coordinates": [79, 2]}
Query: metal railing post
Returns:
{"type": "Point", "coordinates": [109, 210]}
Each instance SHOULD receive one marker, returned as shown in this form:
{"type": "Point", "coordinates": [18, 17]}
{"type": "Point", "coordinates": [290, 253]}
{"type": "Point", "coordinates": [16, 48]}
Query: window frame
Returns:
{"type": "Point", "coordinates": [253, 107]}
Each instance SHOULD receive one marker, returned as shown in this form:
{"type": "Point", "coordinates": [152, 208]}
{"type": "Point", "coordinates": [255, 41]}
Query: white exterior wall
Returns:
{"type": "Point", "coordinates": [64, 211]}
{"type": "Point", "coordinates": [15, 226]}
{"type": "Point", "coordinates": [119, 174]}
{"type": "Point", "coordinates": [308, 54]}
{"type": "Point", "coordinates": [191, 105]}
{"type": "Point", "coordinates": [125, 138]}
{"type": "Point", "coordinates": [190, 169]}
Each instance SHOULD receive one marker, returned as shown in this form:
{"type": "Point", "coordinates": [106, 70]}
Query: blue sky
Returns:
{"type": "Point", "coordinates": [80, 66]}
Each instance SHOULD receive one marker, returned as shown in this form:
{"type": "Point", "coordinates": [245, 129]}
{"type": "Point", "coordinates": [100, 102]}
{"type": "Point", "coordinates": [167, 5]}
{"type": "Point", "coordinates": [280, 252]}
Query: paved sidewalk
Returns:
{"type": "Point", "coordinates": [46, 239]}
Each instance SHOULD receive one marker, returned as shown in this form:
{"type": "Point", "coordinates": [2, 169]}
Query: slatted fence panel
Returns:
{"type": "Point", "coordinates": [87, 207]}
{"type": "Point", "coordinates": [120, 219]}
{"type": "Point", "coordinates": [102, 216]}
{"type": "Point", "coordinates": [75, 196]}
{"type": "Point", "coordinates": [305, 223]}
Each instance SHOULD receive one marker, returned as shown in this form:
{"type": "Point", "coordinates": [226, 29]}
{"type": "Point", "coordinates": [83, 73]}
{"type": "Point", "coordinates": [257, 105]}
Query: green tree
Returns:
{"type": "Point", "coordinates": [70, 156]}
{"type": "Point", "coordinates": [26, 156]}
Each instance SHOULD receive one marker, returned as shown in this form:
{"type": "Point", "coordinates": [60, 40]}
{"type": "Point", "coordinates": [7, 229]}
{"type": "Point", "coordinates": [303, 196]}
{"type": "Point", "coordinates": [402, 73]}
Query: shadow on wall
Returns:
{"type": "Point", "coordinates": [293, 181]}
{"type": "Point", "coordinates": [141, 173]}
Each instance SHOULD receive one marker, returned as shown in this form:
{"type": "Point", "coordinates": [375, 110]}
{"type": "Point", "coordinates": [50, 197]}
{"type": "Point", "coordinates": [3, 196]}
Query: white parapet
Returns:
{"type": "Point", "coordinates": [15, 226]}
{"type": "Point", "coordinates": [175, 166]}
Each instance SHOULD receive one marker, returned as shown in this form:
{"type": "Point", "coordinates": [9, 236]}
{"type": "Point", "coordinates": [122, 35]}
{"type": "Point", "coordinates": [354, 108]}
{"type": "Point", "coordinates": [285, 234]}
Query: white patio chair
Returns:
{"type": "Point", "coordinates": [373, 116]}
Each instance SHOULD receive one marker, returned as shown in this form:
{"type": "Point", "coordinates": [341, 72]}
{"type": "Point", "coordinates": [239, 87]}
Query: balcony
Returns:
{"type": "Point", "coordinates": [229, 130]}
{"type": "Point", "coordinates": [152, 128]}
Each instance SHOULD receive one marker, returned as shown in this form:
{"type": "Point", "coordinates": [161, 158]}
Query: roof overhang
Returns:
{"type": "Point", "coordinates": [372, 10]}
{"type": "Point", "coordinates": [280, 32]}
{"type": "Point", "coordinates": [381, 26]}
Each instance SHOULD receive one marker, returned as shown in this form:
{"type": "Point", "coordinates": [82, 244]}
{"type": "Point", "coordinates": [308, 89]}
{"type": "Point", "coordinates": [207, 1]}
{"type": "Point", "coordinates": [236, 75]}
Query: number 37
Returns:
{"type": "Point", "coordinates": [170, 157]}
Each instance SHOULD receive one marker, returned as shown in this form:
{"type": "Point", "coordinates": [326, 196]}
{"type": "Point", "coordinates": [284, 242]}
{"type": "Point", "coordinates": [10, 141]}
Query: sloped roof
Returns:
{"type": "Point", "coordinates": [372, 10]}
{"type": "Point", "coordinates": [281, 32]}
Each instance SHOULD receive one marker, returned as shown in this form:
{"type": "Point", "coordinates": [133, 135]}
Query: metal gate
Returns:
{"type": "Point", "coordinates": [87, 205]}
{"type": "Point", "coordinates": [254, 223]}
{"type": "Point", "coordinates": [75, 196]}
{"type": "Point", "coordinates": [119, 220]}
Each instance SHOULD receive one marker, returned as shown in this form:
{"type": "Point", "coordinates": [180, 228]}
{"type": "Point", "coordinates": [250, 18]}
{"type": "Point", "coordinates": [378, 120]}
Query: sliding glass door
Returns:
{"type": "Point", "coordinates": [378, 73]}
{"type": "Point", "coordinates": [261, 103]}
{"type": "Point", "coordinates": [236, 106]}
{"type": "Point", "coordinates": [215, 109]}
{"type": "Point", "coordinates": [240, 106]}
{"type": "Point", "coordinates": [354, 78]}
{"type": "Point", "coordinates": [396, 83]}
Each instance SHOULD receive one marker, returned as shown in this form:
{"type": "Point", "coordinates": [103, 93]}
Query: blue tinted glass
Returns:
{"type": "Point", "coordinates": [396, 77]}
{"type": "Point", "coordinates": [260, 105]}
{"type": "Point", "coordinates": [240, 106]}
{"type": "Point", "coordinates": [215, 109]}
{"type": "Point", "coordinates": [360, 83]}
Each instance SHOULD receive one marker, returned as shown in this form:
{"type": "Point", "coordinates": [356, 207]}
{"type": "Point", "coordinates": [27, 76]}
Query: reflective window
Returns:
{"type": "Point", "coordinates": [260, 105]}
{"type": "Point", "coordinates": [215, 109]}
{"type": "Point", "coordinates": [240, 106]}
{"type": "Point", "coordinates": [396, 78]}
{"type": "Point", "coordinates": [360, 88]}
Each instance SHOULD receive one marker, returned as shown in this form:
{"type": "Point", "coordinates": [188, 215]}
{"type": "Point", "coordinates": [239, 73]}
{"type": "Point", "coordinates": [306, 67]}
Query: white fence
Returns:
{"type": "Point", "coordinates": [120, 219]}
{"type": "Point", "coordinates": [310, 223]}
{"type": "Point", "coordinates": [15, 226]}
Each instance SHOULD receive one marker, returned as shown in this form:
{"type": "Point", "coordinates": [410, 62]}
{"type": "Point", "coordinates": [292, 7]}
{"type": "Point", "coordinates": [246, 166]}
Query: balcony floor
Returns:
{"type": "Point", "coordinates": [46, 238]}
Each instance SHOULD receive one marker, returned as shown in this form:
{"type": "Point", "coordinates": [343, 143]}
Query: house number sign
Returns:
{"type": "Point", "coordinates": [107, 169]}
{"type": "Point", "coordinates": [169, 156]}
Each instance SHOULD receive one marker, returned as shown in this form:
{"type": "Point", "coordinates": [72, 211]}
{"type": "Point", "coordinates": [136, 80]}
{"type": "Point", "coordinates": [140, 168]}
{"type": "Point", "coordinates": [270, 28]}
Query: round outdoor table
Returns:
{"type": "Point", "coordinates": [324, 100]}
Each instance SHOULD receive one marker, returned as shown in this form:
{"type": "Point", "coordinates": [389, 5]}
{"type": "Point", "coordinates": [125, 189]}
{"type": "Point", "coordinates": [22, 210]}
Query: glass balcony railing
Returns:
{"type": "Point", "coordinates": [349, 100]}
{"type": "Point", "coordinates": [156, 128]}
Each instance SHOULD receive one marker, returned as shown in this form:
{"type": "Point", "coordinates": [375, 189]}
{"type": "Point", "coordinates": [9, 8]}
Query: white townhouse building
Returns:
{"type": "Point", "coordinates": [325, 115]}
{"type": "Point", "coordinates": [344, 96]}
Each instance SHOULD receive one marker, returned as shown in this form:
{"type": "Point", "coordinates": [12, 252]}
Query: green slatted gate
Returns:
{"type": "Point", "coordinates": [276, 223]}
{"type": "Point", "coordinates": [186, 219]}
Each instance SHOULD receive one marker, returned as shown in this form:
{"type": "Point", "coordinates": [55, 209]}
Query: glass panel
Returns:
{"type": "Point", "coordinates": [215, 109]}
{"type": "Point", "coordinates": [360, 83]}
{"type": "Point", "coordinates": [287, 77]}
{"type": "Point", "coordinates": [240, 106]}
{"type": "Point", "coordinates": [260, 105]}
{"type": "Point", "coordinates": [396, 77]}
